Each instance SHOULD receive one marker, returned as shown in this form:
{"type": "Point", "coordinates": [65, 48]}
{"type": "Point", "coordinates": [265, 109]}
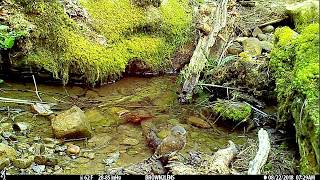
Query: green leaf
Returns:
{"type": "Point", "coordinates": [1, 81]}
{"type": "Point", "coordinates": [9, 42]}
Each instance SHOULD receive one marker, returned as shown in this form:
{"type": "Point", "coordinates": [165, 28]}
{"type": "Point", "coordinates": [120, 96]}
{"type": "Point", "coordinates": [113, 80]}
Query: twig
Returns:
{"type": "Point", "coordinates": [18, 101]}
{"type": "Point", "coordinates": [271, 22]}
{"type": "Point", "coordinates": [35, 85]}
{"type": "Point", "coordinates": [218, 86]}
{"type": "Point", "coordinates": [244, 120]}
{"type": "Point", "coordinates": [256, 109]}
{"type": "Point", "coordinates": [78, 139]}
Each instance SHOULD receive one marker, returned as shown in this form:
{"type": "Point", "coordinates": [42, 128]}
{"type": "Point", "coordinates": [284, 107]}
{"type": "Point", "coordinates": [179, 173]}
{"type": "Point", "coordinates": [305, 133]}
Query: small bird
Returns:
{"type": "Point", "coordinates": [173, 143]}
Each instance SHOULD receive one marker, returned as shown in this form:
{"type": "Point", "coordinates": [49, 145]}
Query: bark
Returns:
{"type": "Point", "coordinates": [217, 19]}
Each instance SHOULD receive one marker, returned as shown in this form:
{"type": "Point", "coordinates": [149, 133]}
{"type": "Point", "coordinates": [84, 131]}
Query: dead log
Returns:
{"type": "Point", "coordinates": [216, 18]}
{"type": "Point", "coordinates": [261, 157]}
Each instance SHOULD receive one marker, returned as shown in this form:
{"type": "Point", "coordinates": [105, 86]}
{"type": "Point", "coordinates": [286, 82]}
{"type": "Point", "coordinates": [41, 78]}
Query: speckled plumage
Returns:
{"type": "Point", "coordinates": [172, 143]}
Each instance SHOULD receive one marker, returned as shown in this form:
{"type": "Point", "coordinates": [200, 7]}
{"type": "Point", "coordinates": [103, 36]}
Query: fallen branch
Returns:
{"type": "Point", "coordinates": [36, 88]}
{"type": "Point", "coordinates": [209, 164]}
{"type": "Point", "coordinates": [272, 22]}
{"type": "Point", "coordinates": [261, 157]}
{"type": "Point", "coordinates": [218, 86]}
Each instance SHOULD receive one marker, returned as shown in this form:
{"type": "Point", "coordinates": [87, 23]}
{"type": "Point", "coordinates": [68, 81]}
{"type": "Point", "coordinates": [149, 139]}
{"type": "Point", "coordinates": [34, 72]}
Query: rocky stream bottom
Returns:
{"type": "Point", "coordinates": [118, 115]}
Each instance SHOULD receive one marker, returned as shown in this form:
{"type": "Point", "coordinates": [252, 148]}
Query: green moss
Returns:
{"type": "Point", "coordinates": [113, 19]}
{"type": "Point", "coordinates": [232, 110]}
{"type": "Point", "coordinates": [61, 46]}
{"type": "Point", "coordinates": [304, 13]}
{"type": "Point", "coordinates": [296, 68]}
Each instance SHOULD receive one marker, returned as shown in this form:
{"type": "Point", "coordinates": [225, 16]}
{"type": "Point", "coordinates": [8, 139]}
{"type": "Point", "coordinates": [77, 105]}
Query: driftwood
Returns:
{"type": "Point", "coordinates": [262, 155]}
{"type": "Point", "coordinates": [208, 164]}
{"type": "Point", "coordinates": [215, 21]}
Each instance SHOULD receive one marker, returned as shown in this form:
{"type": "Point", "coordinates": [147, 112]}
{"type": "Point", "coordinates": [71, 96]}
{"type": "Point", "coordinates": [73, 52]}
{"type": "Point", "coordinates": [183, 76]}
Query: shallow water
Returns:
{"type": "Point", "coordinates": [152, 97]}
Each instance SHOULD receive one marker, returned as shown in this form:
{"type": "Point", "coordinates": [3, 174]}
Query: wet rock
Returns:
{"type": "Point", "coordinates": [41, 109]}
{"type": "Point", "coordinates": [98, 139]}
{"type": "Point", "coordinates": [263, 37]}
{"type": "Point", "coordinates": [268, 29]}
{"type": "Point", "coordinates": [9, 136]}
{"type": "Point", "coordinates": [252, 46]}
{"type": "Point", "coordinates": [38, 168]}
{"type": "Point", "coordinates": [112, 158]}
{"type": "Point", "coordinates": [71, 124]}
{"type": "Point", "coordinates": [235, 48]}
{"type": "Point", "coordinates": [7, 152]}
{"type": "Point", "coordinates": [60, 148]}
{"type": "Point", "coordinates": [47, 160]}
{"type": "Point", "coordinates": [130, 141]}
{"type": "Point", "coordinates": [23, 163]}
{"type": "Point", "coordinates": [37, 149]}
{"type": "Point", "coordinates": [137, 116]}
{"type": "Point", "coordinates": [256, 31]}
{"type": "Point", "coordinates": [198, 122]}
{"type": "Point", "coordinates": [73, 149]}
{"type": "Point", "coordinates": [4, 162]}
{"type": "Point", "coordinates": [265, 45]}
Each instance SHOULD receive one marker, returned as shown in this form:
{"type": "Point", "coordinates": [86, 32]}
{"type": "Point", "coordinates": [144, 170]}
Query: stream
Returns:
{"type": "Point", "coordinates": [154, 98]}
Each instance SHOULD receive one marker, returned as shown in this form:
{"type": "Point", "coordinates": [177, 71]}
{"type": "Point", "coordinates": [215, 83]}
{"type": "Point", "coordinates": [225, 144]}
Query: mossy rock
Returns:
{"type": "Point", "coordinates": [295, 65]}
{"type": "Point", "coordinates": [235, 111]}
{"type": "Point", "coordinates": [304, 13]}
{"type": "Point", "coordinates": [65, 46]}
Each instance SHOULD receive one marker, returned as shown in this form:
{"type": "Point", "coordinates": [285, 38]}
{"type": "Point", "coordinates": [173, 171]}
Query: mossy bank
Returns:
{"type": "Point", "coordinates": [295, 61]}
{"type": "Point", "coordinates": [96, 39]}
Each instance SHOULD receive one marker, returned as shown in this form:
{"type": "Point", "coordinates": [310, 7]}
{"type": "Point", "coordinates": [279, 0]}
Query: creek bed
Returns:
{"type": "Point", "coordinates": [155, 97]}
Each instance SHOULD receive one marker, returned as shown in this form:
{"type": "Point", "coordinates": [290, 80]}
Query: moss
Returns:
{"type": "Point", "coordinates": [304, 13]}
{"type": "Point", "coordinates": [296, 68]}
{"type": "Point", "coordinates": [63, 47]}
{"type": "Point", "coordinates": [232, 111]}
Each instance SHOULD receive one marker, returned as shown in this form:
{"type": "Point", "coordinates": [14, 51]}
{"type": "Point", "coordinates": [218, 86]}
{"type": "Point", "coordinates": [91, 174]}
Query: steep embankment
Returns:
{"type": "Point", "coordinates": [295, 61]}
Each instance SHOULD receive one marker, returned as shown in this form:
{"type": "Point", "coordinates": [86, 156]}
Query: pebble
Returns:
{"type": "Point", "coordinates": [73, 149]}
{"type": "Point", "coordinates": [23, 163]}
{"type": "Point", "coordinates": [60, 148]}
{"type": "Point", "coordinates": [38, 168]}
{"type": "Point", "coordinates": [129, 141]}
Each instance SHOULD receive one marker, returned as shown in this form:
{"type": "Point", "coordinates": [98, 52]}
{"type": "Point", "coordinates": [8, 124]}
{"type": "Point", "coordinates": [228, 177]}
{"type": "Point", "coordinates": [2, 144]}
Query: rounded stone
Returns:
{"type": "Point", "coordinates": [73, 149]}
